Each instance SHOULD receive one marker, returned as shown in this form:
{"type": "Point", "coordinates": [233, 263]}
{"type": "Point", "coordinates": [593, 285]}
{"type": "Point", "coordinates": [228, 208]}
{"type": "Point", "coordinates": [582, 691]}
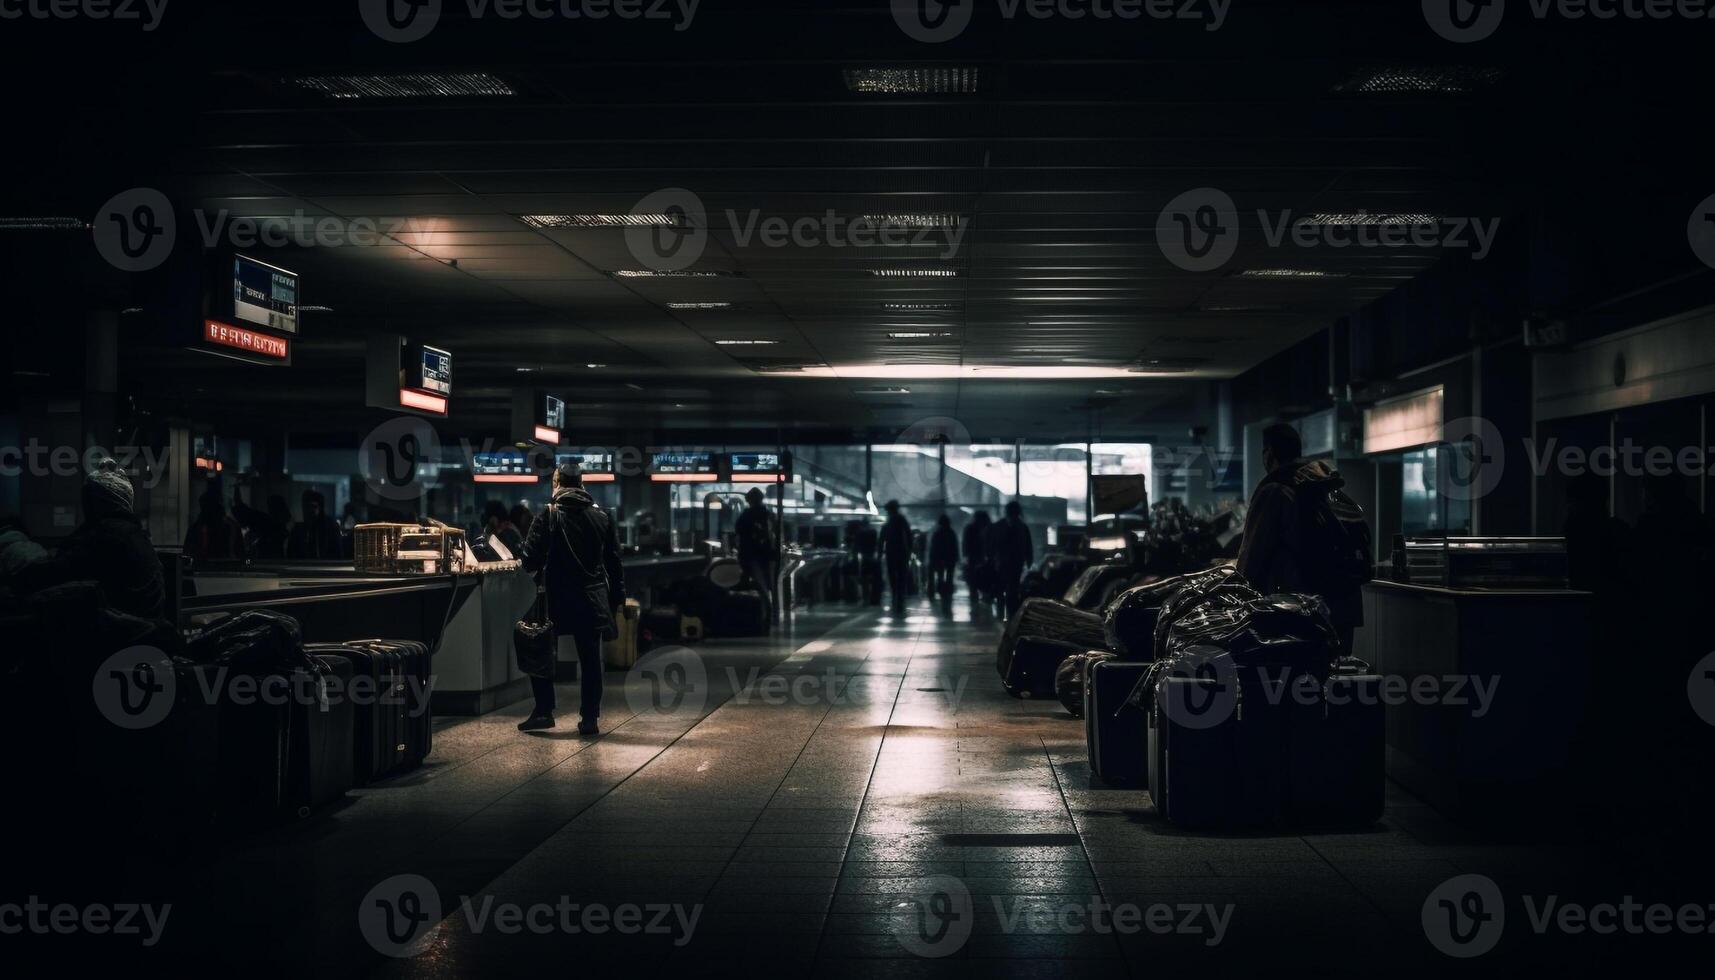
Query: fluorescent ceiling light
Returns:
{"type": "Point", "coordinates": [698, 306]}
{"type": "Point", "coordinates": [881, 391]}
{"type": "Point", "coordinates": [601, 220]}
{"type": "Point", "coordinates": [1358, 219]}
{"type": "Point", "coordinates": [920, 335]}
{"type": "Point", "coordinates": [315, 309]}
{"type": "Point", "coordinates": [912, 81]}
{"type": "Point", "coordinates": [916, 220]}
{"type": "Point", "coordinates": [1237, 309]}
{"type": "Point", "coordinates": [956, 372]}
{"type": "Point", "coordinates": [411, 85]}
{"type": "Point", "coordinates": [746, 343]}
{"type": "Point", "coordinates": [1290, 274]}
{"type": "Point", "coordinates": [919, 307]}
{"type": "Point", "coordinates": [595, 367]}
{"type": "Point", "coordinates": [43, 224]}
{"type": "Point", "coordinates": [668, 274]}
{"type": "Point", "coordinates": [914, 273]}
{"type": "Point", "coordinates": [1436, 79]}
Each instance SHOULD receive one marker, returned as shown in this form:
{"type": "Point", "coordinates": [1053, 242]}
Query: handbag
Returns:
{"type": "Point", "coordinates": [533, 639]}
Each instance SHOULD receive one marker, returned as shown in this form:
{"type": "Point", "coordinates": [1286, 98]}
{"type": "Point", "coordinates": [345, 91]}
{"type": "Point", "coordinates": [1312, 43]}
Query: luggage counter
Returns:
{"type": "Point", "coordinates": [1489, 688]}
{"type": "Point", "coordinates": [466, 619]}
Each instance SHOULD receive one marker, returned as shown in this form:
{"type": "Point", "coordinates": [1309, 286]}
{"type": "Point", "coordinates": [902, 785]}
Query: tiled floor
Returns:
{"type": "Point", "coordinates": [781, 808]}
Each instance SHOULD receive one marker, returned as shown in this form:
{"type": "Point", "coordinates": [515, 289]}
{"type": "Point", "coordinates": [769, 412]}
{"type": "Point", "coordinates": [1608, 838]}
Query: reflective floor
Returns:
{"type": "Point", "coordinates": [854, 797]}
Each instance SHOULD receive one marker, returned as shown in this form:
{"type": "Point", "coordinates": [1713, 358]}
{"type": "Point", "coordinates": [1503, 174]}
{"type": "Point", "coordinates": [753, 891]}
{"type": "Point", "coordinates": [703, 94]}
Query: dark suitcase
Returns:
{"type": "Point", "coordinates": [319, 766]}
{"type": "Point", "coordinates": [378, 715]}
{"type": "Point", "coordinates": [743, 612]}
{"type": "Point", "coordinates": [1255, 760]}
{"type": "Point", "coordinates": [1030, 672]}
{"type": "Point", "coordinates": [416, 676]}
{"type": "Point", "coordinates": [1048, 619]}
{"type": "Point", "coordinates": [1116, 730]}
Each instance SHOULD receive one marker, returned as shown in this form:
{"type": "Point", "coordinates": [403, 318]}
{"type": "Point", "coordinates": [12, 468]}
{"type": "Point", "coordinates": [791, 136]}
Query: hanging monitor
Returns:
{"type": "Point", "coordinates": [683, 466]}
{"type": "Point", "coordinates": [596, 465]}
{"type": "Point", "coordinates": [264, 295]}
{"type": "Point", "coordinates": [762, 467]}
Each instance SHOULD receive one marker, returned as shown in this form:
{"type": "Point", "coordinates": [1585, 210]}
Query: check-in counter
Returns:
{"type": "Point", "coordinates": [466, 619]}
{"type": "Point", "coordinates": [1490, 687]}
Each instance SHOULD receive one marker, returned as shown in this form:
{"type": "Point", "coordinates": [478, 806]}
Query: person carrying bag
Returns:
{"type": "Point", "coordinates": [575, 547]}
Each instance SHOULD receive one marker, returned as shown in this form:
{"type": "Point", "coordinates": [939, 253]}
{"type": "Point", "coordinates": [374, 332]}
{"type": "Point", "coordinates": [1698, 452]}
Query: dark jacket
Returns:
{"type": "Point", "coordinates": [1269, 556]}
{"type": "Point", "coordinates": [755, 536]}
{"type": "Point", "coordinates": [317, 539]}
{"type": "Point", "coordinates": [577, 545]}
{"type": "Point", "coordinates": [976, 543]}
{"type": "Point", "coordinates": [943, 548]}
{"type": "Point", "coordinates": [113, 550]}
{"type": "Point", "coordinates": [896, 541]}
{"type": "Point", "coordinates": [1010, 547]}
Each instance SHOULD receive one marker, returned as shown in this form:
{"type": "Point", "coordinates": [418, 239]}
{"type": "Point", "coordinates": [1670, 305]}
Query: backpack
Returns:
{"type": "Point", "coordinates": [1334, 546]}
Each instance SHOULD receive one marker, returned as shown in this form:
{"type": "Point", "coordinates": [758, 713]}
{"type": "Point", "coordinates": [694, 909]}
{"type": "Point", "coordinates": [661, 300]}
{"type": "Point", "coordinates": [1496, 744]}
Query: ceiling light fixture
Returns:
{"type": "Point", "coordinates": [1362, 219]}
{"type": "Point", "coordinates": [409, 85]}
{"type": "Point", "coordinates": [979, 372]}
{"type": "Point", "coordinates": [920, 335]}
{"type": "Point", "coordinates": [918, 220]}
{"type": "Point", "coordinates": [914, 273]}
{"type": "Point", "coordinates": [602, 220]}
{"type": "Point", "coordinates": [698, 306]}
{"type": "Point", "coordinates": [746, 343]}
{"type": "Point", "coordinates": [1290, 274]}
{"type": "Point", "coordinates": [881, 391]}
{"type": "Point", "coordinates": [1433, 79]}
{"type": "Point", "coordinates": [919, 307]}
{"type": "Point", "coordinates": [14, 223]}
{"type": "Point", "coordinates": [912, 81]}
{"type": "Point", "coordinates": [595, 367]}
{"type": "Point", "coordinates": [669, 274]}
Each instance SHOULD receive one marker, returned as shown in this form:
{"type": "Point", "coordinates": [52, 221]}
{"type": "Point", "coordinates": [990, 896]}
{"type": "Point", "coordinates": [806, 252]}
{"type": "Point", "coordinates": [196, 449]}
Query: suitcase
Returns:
{"type": "Point", "coordinates": [621, 653]}
{"type": "Point", "coordinates": [416, 675]}
{"type": "Point", "coordinates": [286, 756]}
{"type": "Point", "coordinates": [1030, 672]}
{"type": "Point", "coordinates": [743, 612]}
{"type": "Point", "coordinates": [1268, 763]}
{"type": "Point", "coordinates": [1050, 619]}
{"type": "Point", "coordinates": [659, 624]}
{"type": "Point", "coordinates": [378, 716]}
{"type": "Point", "coordinates": [1116, 730]}
{"type": "Point", "coordinates": [319, 764]}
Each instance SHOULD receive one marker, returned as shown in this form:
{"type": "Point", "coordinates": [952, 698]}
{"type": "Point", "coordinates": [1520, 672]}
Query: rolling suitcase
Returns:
{"type": "Point", "coordinates": [743, 612]}
{"type": "Point", "coordinates": [378, 716]}
{"type": "Point", "coordinates": [1338, 766]}
{"type": "Point", "coordinates": [1217, 757]}
{"type": "Point", "coordinates": [319, 761]}
{"type": "Point", "coordinates": [1117, 730]}
{"type": "Point", "coordinates": [417, 726]}
{"type": "Point", "coordinates": [1049, 619]}
{"type": "Point", "coordinates": [1030, 672]}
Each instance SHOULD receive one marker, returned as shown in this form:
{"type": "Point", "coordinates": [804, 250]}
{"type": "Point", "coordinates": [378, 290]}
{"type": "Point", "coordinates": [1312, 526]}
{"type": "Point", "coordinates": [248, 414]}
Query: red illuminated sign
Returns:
{"type": "Point", "coordinates": [248, 341]}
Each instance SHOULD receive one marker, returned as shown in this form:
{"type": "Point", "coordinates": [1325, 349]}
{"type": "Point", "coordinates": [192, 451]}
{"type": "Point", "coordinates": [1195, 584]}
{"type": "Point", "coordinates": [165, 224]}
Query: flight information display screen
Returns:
{"type": "Point", "coordinates": [670, 463]}
{"type": "Point", "coordinates": [434, 371]}
{"type": "Point", "coordinates": [589, 462]}
{"type": "Point", "coordinates": [501, 464]}
{"type": "Point", "coordinates": [553, 412]}
{"type": "Point", "coordinates": [264, 295]}
{"type": "Point", "coordinates": [755, 463]}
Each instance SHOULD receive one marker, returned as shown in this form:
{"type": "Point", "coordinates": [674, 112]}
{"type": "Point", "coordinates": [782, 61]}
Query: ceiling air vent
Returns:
{"type": "Point", "coordinates": [912, 81]}
{"type": "Point", "coordinates": [405, 86]}
{"type": "Point", "coordinates": [919, 273]}
{"type": "Point", "coordinates": [1364, 219]}
{"type": "Point", "coordinates": [1430, 79]}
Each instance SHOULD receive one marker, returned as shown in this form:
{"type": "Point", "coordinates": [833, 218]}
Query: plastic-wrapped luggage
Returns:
{"type": "Point", "coordinates": [256, 641]}
{"type": "Point", "coordinates": [1069, 679]}
{"type": "Point", "coordinates": [1219, 584]}
{"type": "Point", "coordinates": [1285, 630]}
{"type": "Point", "coordinates": [1129, 622]}
{"type": "Point", "coordinates": [1094, 584]}
{"type": "Point", "coordinates": [1054, 620]}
